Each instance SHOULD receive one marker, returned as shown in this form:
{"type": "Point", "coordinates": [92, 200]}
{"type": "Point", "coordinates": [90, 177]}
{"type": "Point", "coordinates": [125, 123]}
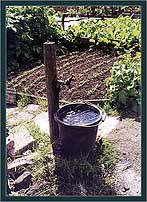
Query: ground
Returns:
{"type": "Point", "coordinates": [89, 69]}
{"type": "Point", "coordinates": [124, 133]}
{"type": "Point", "coordinates": [127, 139]}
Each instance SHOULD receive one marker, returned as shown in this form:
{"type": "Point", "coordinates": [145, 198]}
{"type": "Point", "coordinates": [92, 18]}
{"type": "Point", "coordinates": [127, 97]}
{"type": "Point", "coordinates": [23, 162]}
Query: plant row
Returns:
{"type": "Point", "coordinates": [28, 27]}
{"type": "Point", "coordinates": [122, 33]}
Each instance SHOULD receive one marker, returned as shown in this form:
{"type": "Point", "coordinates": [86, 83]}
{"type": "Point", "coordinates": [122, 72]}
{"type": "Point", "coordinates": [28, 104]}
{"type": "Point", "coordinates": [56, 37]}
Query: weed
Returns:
{"type": "Point", "coordinates": [43, 105]}
{"type": "Point", "coordinates": [86, 175]}
{"type": "Point", "coordinates": [110, 110]}
{"type": "Point", "coordinates": [108, 155]}
{"type": "Point", "coordinates": [43, 147]}
{"type": "Point", "coordinates": [87, 172]}
{"type": "Point", "coordinates": [23, 100]}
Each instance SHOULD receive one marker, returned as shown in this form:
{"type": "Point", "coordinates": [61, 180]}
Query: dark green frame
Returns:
{"type": "Point", "coordinates": [3, 105]}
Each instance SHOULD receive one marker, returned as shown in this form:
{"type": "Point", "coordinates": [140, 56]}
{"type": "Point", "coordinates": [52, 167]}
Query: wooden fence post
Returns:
{"type": "Point", "coordinates": [49, 51]}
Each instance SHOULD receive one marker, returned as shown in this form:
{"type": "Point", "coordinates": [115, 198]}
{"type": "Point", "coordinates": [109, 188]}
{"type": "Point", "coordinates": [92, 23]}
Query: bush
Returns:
{"type": "Point", "coordinates": [124, 85]}
{"type": "Point", "coordinates": [28, 27]}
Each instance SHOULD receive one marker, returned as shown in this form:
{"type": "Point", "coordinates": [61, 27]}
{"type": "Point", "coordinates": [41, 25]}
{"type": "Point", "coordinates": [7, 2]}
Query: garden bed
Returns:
{"type": "Point", "coordinates": [89, 70]}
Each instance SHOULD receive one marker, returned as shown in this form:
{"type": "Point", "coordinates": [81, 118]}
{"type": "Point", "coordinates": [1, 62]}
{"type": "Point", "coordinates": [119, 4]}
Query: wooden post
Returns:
{"type": "Point", "coordinates": [49, 52]}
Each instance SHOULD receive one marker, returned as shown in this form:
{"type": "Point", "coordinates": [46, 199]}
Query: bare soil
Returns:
{"type": "Point", "coordinates": [88, 68]}
{"type": "Point", "coordinates": [127, 140]}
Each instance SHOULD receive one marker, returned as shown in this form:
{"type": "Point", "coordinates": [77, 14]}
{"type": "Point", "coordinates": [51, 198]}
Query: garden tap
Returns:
{"type": "Point", "coordinates": [67, 82]}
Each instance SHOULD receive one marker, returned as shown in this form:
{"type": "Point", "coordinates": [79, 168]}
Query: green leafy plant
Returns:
{"type": "Point", "coordinates": [124, 85]}
{"type": "Point", "coordinates": [120, 33]}
{"type": "Point", "coordinates": [23, 100]}
{"type": "Point", "coordinates": [28, 27]}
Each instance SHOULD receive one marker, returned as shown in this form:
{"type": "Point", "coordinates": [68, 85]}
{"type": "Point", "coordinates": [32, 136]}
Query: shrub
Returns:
{"type": "Point", "coordinates": [28, 27]}
{"type": "Point", "coordinates": [124, 85]}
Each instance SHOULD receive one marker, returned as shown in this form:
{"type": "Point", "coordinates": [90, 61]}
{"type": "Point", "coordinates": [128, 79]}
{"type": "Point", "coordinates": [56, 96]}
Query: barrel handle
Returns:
{"type": "Point", "coordinates": [103, 116]}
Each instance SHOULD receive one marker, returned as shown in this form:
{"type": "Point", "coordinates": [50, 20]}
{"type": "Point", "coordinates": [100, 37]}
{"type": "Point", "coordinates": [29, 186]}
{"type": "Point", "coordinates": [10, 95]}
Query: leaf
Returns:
{"type": "Point", "coordinates": [122, 97]}
{"type": "Point", "coordinates": [92, 40]}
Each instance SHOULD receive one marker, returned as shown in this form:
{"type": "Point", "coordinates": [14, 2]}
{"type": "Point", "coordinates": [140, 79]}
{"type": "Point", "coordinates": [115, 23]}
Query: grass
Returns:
{"type": "Point", "coordinates": [110, 110]}
{"type": "Point", "coordinates": [66, 176]}
{"type": "Point", "coordinates": [43, 105]}
{"type": "Point", "coordinates": [87, 175]}
{"type": "Point", "coordinates": [43, 147]}
{"type": "Point", "coordinates": [23, 100]}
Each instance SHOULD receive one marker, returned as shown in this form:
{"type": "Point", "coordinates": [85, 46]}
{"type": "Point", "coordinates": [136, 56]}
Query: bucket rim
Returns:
{"type": "Point", "coordinates": [96, 123]}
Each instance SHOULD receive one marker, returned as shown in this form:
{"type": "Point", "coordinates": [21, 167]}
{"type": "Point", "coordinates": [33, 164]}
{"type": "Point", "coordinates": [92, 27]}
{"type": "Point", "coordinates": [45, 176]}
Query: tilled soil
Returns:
{"type": "Point", "coordinates": [88, 68]}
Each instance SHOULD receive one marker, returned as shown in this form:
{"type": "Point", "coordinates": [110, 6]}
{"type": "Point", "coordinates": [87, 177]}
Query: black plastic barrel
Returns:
{"type": "Point", "coordinates": [78, 139]}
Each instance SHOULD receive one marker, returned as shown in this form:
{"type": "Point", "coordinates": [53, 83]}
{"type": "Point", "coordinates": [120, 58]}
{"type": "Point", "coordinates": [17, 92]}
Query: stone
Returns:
{"type": "Point", "coordinates": [128, 182]}
{"type": "Point", "coordinates": [11, 111]}
{"type": "Point", "coordinates": [22, 139]}
{"type": "Point", "coordinates": [23, 180]}
{"type": "Point", "coordinates": [23, 161]}
{"type": "Point", "coordinates": [31, 108]}
{"type": "Point", "coordinates": [42, 121]}
{"type": "Point", "coordinates": [10, 146]}
{"type": "Point", "coordinates": [105, 128]}
{"type": "Point", "coordinates": [18, 164]}
{"type": "Point", "coordinates": [20, 118]}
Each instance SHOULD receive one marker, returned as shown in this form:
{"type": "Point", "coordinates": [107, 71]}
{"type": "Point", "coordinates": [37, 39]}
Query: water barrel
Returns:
{"type": "Point", "coordinates": [78, 126]}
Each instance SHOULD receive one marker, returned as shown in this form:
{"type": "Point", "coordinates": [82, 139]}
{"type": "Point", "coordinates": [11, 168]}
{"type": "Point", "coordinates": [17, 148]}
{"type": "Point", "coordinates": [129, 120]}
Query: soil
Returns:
{"type": "Point", "coordinates": [88, 68]}
{"type": "Point", "coordinates": [127, 139]}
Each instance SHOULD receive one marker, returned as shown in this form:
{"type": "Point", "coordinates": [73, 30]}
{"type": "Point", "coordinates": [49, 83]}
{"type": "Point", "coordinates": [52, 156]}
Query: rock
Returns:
{"type": "Point", "coordinates": [22, 139]}
{"type": "Point", "coordinates": [31, 108]}
{"type": "Point", "coordinates": [18, 164]}
{"type": "Point", "coordinates": [23, 161]}
{"type": "Point", "coordinates": [11, 111]}
{"type": "Point", "coordinates": [31, 156]}
{"type": "Point", "coordinates": [19, 118]}
{"type": "Point", "coordinates": [107, 126]}
{"type": "Point", "coordinates": [10, 145]}
{"type": "Point", "coordinates": [23, 180]}
{"type": "Point", "coordinates": [42, 121]}
{"type": "Point", "coordinates": [8, 187]}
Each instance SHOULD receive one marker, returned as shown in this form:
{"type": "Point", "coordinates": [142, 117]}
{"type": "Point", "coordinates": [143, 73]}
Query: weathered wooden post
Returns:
{"type": "Point", "coordinates": [49, 52]}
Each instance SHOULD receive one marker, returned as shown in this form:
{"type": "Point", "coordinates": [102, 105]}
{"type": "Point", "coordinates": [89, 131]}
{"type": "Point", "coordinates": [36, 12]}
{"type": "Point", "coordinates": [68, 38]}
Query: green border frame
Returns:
{"type": "Point", "coordinates": [3, 105]}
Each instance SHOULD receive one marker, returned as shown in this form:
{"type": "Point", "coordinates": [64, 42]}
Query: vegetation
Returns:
{"type": "Point", "coordinates": [64, 176]}
{"type": "Point", "coordinates": [28, 27]}
{"type": "Point", "coordinates": [121, 33]}
{"type": "Point", "coordinates": [112, 11]}
{"type": "Point", "coordinates": [124, 85]}
{"type": "Point", "coordinates": [23, 100]}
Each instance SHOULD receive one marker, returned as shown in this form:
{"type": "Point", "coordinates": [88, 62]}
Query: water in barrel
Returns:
{"type": "Point", "coordinates": [80, 117]}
